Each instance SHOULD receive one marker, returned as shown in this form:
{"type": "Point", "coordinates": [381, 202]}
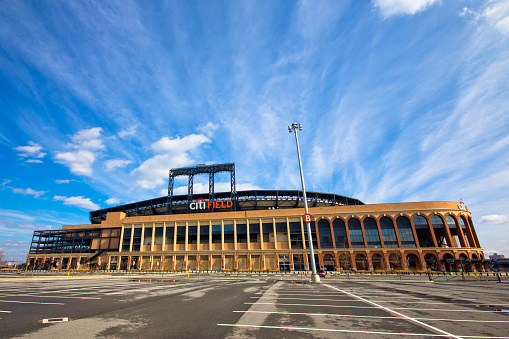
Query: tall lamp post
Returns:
{"type": "Point", "coordinates": [314, 277]}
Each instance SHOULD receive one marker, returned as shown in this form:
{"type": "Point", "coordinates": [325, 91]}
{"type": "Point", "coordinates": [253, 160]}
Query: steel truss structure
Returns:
{"type": "Point", "coordinates": [190, 172]}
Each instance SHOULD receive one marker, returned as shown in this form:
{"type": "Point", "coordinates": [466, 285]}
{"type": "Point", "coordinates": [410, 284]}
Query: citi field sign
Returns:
{"type": "Point", "coordinates": [202, 204]}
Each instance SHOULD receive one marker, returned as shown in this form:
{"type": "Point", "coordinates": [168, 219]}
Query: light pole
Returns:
{"type": "Point", "coordinates": [314, 277]}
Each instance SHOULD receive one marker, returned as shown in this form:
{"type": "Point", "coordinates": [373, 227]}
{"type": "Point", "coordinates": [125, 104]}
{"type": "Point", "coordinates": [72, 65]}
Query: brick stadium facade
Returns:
{"type": "Point", "coordinates": [380, 237]}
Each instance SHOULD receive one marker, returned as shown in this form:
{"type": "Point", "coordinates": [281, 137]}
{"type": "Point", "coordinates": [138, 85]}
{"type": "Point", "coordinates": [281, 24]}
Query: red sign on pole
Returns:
{"type": "Point", "coordinates": [307, 218]}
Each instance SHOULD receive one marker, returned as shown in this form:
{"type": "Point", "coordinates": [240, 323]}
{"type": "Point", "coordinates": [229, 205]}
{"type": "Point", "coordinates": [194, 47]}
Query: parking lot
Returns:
{"type": "Point", "coordinates": [250, 306]}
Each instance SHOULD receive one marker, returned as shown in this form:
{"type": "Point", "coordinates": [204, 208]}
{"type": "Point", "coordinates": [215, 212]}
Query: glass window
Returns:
{"type": "Point", "coordinates": [242, 233]}
{"type": "Point", "coordinates": [451, 222]}
{"type": "Point", "coordinates": [339, 228]}
{"type": "Point", "coordinates": [420, 222]}
{"type": "Point", "coordinates": [229, 231]}
{"type": "Point", "coordinates": [372, 235]}
{"type": "Point", "coordinates": [281, 227]}
{"type": "Point", "coordinates": [216, 234]}
{"type": "Point", "coordinates": [181, 235]}
{"type": "Point", "coordinates": [159, 232]}
{"type": "Point", "coordinates": [254, 232]}
{"type": "Point", "coordinates": [405, 232]}
{"type": "Point", "coordinates": [388, 232]}
{"type": "Point", "coordinates": [354, 227]}
{"type": "Point", "coordinates": [422, 230]}
{"type": "Point", "coordinates": [296, 235]}
{"type": "Point", "coordinates": [204, 234]}
{"type": "Point", "coordinates": [437, 222]}
{"type": "Point", "coordinates": [462, 223]}
{"type": "Point", "coordinates": [325, 234]}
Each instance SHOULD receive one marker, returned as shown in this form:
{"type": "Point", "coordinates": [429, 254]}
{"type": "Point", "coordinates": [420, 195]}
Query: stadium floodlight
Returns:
{"type": "Point", "coordinates": [314, 277]}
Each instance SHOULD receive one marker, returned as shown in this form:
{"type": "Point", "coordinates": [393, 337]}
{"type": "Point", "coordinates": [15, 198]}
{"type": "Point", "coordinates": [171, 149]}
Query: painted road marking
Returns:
{"type": "Point", "coordinates": [370, 316]}
{"type": "Point", "coordinates": [395, 308]}
{"type": "Point", "coordinates": [30, 302]}
{"type": "Point", "coordinates": [47, 296]}
{"type": "Point", "coordinates": [54, 320]}
{"type": "Point", "coordinates": [398, 314]}
{"type": "Point", "coordinates": [5, 311]}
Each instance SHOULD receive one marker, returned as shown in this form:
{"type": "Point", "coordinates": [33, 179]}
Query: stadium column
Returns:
{"type": "Point", "coordinates": [431, 231]}
{"type": "Point", "coordinates": [364, 233]}
{"type": "Point", "coordinates": [142, 242]}
{"type": "Point", "coordinates": [302, 235]}
{"type": "Point", "coordinates": [153, 237]}
{"type": "Point", "coordinates": [131, 242]}
{"type": "Point", "coordinates": [414, 232]}
{"type": "Point", "coordinates": [396, 230]}
{"type": "Point", "coordinates": [451, 242]}
{"type": "Point", "coordinates": [235, 237]}
{"type": "Point", "coordinates": [222, 237]}
{"type": "Point", "coordinates": [382, 244]}
{"type": "Point", "coordinates": [275, 236]}
{"type": "Point", "coordinates": [461, 235]}
{"type": "Point", "coordinates": [186, 242]}
{"type": "Point", "coordinates": [348, 234]}
{"type": "Point", "coordinates": [474, 233]}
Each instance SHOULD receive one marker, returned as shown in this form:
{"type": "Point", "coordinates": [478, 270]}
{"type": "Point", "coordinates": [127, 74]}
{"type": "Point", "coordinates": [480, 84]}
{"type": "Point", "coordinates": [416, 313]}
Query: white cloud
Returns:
{"type": "Point", "coordinates": [403, 7]}
{"type": "Point", "coordinates": [79, 162]}
{"type": "Point", "coordinates": [178, 144]}
{"type": "Point", "coordinates": [80, 201]}
{"type": "Point", "coordinates": [32, 152]}
{"type": "Point", "coordinates": [171, 153]}
{"type": "Point", "coordinates": [28, 191]}
{"type": "Point", "coordinates": [66, 181]}
{"type": "Point", "coordinates": [127, 133]}
{"type": "Point", "coordinates": [87, 145]}
{"type": "Point", "coordinates": [112, 164]}
{"type": "Point", "coordinates": [112, 201]}
{"type": "Point", "coordinates": [497, 15]}
{"type": "Point", "coordinates": [494, 219]}
{"type": "Point", "coordinates": [208, 129]}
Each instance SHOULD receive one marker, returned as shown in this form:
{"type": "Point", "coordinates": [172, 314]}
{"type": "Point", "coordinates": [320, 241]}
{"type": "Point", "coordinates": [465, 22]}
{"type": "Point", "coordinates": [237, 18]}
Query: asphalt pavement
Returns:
{"type": "Point", "coordinates": [253, 306]}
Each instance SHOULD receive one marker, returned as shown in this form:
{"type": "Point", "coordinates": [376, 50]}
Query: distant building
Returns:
{"type": "Point", "coordinates": [496, 256]}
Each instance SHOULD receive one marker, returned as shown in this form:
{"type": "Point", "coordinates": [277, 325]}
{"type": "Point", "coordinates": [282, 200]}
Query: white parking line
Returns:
{"type": "Point", "coordinates": [378, 306]}
{"type": "Point", "coordinates": [29, 302]}
{"type": "Point", "coordinates": [397, 313]}
{"type": "Point", "coordinates": [48, 296]}
{"type": "Point", "coordinates": [370, 316]}
{"type": "Point", "coordinates": [5, 311]}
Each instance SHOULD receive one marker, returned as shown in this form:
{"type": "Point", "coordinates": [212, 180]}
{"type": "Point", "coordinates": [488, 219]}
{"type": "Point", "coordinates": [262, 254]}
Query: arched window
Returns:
{"type": "Point", "coordinates": [422, 230]}
{"type": "Point", "coordinates": [388, 232]}
{"type": "Point", "coordinates": [372, 235]}
{"type": "Point", "coordinates": [405, 232]}
{"type": "Point", "coordinates": [325, 234]}
{"type": "Point", "coordinates": [354, 227]}
{"type": "Point", "coordinates": [340, 233]}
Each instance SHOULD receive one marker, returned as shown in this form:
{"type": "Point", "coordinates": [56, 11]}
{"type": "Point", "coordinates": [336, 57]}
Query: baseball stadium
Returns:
{"type": "Point", "coordinates": [263, 230]}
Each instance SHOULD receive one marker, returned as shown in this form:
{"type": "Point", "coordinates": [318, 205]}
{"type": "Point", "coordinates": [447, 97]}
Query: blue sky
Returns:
{"type": "Point", "coordinates": [401, 100]}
